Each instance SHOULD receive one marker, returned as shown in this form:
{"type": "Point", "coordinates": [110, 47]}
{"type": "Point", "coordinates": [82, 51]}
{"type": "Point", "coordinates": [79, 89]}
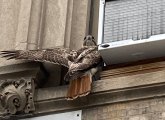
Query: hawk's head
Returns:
{"type": "Point", "coordinates": [89, 41]}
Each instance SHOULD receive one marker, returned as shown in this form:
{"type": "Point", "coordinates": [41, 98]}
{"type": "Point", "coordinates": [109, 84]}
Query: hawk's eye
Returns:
{"type": "Point", "coordinates": [93, 37]}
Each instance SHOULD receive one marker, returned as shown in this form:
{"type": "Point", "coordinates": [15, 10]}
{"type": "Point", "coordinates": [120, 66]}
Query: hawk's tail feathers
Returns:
{"type": "Point", "coordinates": [79, 87]}
{"type": "Point", "coordinates": [9, 54]}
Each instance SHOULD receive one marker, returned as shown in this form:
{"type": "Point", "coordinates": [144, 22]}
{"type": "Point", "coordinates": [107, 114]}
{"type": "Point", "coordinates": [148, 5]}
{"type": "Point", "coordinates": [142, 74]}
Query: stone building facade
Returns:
{"type": "Point", "coordinates": [125, 92]}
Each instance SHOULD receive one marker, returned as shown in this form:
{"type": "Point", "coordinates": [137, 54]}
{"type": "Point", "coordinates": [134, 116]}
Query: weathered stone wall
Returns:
{"type": "Point", "coordinates": [150, 109]}
{"type": "Point", "coordinates": [33, 24]}
{"type": "Point", "coordinates": [54, 23]}
{"type": "Point", "coordinates": [41, 24]}
{"type": "Point", "coordinates": [93, 27]}
{"type": "Point", "coordinates": [9, 15]}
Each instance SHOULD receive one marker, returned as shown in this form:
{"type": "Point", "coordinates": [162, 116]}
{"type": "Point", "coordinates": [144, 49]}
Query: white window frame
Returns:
{"type": "Point", "coordinates": [74, 115]}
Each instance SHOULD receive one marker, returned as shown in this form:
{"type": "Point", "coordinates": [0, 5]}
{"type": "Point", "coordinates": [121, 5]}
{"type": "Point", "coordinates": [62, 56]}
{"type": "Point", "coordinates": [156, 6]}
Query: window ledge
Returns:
{"type": "Point", "coordinates": [128, 87]}
{"type": "Point", "coordinates": [107, 91]}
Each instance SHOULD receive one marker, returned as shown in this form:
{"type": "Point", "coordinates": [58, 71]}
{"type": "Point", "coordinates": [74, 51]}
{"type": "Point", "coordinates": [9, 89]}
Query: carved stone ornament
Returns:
{"type": "Point", "coordinates": [17, 96]}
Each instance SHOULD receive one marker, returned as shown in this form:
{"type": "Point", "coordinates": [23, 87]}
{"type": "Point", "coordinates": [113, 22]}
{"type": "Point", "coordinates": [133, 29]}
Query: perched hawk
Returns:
{"type": "Point", "coordinates": [82, 63]}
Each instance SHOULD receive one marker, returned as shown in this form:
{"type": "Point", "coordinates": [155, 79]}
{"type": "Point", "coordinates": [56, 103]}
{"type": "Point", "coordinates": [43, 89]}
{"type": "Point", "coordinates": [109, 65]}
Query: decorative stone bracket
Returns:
{"type": "Point", "coordinates": [16, 96]}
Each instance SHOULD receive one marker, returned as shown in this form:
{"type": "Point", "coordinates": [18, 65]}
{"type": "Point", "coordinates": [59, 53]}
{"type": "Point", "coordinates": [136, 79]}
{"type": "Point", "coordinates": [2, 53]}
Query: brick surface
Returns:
{"type": "Point", "coordinates": [151, 109]}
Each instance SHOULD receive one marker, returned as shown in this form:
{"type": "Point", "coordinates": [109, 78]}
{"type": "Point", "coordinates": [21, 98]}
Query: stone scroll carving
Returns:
{"type": "Point", "coordinates": [17, 96]}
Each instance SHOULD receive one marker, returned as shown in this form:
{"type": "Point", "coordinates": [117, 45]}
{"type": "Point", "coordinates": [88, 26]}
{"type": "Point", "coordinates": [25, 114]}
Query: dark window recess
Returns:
{"type": "Point", "coordinates": [133, 19]}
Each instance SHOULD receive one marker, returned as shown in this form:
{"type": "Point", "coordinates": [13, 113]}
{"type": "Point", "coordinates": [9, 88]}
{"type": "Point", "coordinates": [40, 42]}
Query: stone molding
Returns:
{"type": "Point", "coordinates": [16, 96]}
{"type": "Point", "coordinates": [107, 91]}
{"type": "Point", "coordinates": [17, 88]}
{"type": "Point", "coordinates": [104, 92]}
{"type": "Point", "coordinates": [137, 86]}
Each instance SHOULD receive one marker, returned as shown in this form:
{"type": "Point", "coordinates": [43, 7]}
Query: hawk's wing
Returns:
{"type": "Point", "coordinates": [57, 56]}
{"type": "Point", "coordinates": [84, 51]}
{"type": "Point", "coordinates": [77, 69]}
{"type": "Point", "coordinates": [87, 59]}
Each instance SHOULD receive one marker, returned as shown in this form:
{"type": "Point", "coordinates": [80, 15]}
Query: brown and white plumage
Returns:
{"type": "Point", "coordinates": [57, 56]}
{"type": "Point", "coordinates": [79, 63]}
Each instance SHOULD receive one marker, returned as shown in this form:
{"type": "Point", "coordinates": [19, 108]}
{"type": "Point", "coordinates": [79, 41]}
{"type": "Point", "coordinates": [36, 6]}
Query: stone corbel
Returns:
{"type": "Point", "coordinates": [17, 96]}
{"type": "Point", "coordinates": [17, 86]}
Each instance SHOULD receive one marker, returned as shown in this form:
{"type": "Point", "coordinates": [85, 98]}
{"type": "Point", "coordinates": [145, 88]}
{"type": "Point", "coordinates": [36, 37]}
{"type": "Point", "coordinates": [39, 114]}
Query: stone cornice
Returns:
{"type": "Point", "coordinates": [111, 85]}
{"type": "Point", "coordinates": [18, 68]}
{"type": "Point", "coordinates": [108, 91]}
{"type": "Point", "coordinates": [138, 86]}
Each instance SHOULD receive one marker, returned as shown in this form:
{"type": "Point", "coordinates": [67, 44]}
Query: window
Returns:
{"type": "Point", "coordinates": [131, 29]}
{"type": "Point", "coordinates": [74, 115]}
{"type": "Point", "coordinates": [133, 19]}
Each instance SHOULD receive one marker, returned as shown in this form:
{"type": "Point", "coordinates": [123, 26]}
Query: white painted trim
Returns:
{"type": "Point", "coordinates": [74, 115]}
{"type": "Point", "coordinates": [101, 21]}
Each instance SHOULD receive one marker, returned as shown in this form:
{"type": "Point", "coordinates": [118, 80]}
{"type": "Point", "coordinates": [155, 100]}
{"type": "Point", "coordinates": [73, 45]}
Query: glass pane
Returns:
{"type": "Point", "coordinates": [133, 19]}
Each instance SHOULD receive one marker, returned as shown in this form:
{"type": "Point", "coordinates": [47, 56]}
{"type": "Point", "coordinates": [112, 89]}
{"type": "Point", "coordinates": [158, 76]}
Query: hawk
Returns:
{"type": "Point", "coordinates": [82, 64]}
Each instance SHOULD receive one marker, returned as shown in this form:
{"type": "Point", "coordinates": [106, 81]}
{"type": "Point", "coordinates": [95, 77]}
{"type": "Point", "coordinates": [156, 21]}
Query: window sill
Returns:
{"type": "Point", "coordinates": [107, 91]}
